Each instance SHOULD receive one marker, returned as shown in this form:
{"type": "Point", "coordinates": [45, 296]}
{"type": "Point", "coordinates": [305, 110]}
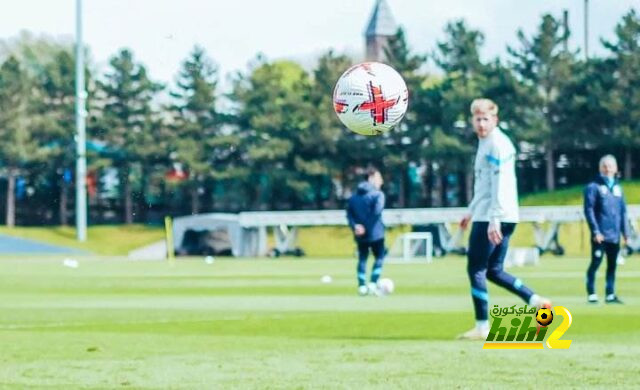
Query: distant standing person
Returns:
{"type": "Point", "coordinates": [364, 214]}
{"type": "Point", "coordinates": [494, 214]}
{"type": "Point", "coordinates": [606, 213]}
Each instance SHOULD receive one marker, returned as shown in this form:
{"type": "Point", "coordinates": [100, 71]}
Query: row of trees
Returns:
{"type": "Point", "coordinates": [273, 142]}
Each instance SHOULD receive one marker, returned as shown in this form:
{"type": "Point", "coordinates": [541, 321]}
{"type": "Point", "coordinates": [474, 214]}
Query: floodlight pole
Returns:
{"type": "Point", "coordinates": [586, 29]}
{"type": "Point", "coordinates": [81, 148]}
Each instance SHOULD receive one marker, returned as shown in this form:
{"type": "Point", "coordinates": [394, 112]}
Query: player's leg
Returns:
{"type": "Point", "coordinates": [477, 258]}
{"type": "Point", "coordinates": [495, 269]}
{"type": "Point", "coordinates": [377, 247]}
{"type": "Point", "coordinates": [363, 254]}
{"type": "Point", "coordinates": [612, 250]}
{"type": "Point", "coordinates": [597, 251]}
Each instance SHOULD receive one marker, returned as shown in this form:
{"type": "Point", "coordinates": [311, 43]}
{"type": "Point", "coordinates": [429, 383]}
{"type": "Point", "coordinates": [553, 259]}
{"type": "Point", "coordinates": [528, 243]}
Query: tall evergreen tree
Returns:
{"type": "Point", "coordinates": [18, 147]}
{"type": "Point", "coordinates": [199, 138]}
{"type": "Point", "coordinates": [54, 106]}
{"type": "Point", "coordinates": [624, 99]}
{"type": "Point", "coordinates": [321, 160]}
{"type": "Point", "coordinates": [404, 143]}
{"type": "Point", "coordinates": [275, 114]}
{"type": "Point", "coordinates": [453, 140]}
{"type": "Point", "coordinates": [544, 67]}
{"type": "Point", "coordinates": [128, 123]}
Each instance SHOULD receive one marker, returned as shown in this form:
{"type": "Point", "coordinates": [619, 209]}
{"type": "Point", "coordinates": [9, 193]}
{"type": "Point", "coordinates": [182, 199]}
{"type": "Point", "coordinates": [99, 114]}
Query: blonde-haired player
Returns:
{"type": "Point", "coordinates": [493, 212]}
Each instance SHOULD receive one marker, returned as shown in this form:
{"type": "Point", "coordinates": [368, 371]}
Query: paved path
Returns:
{"type": "Point", "coordinates": [14, 245]}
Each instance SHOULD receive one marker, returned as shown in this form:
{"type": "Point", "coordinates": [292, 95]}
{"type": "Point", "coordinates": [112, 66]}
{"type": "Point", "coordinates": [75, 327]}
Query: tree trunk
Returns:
{"type": "Point", "coordinates": [550, 168]}
{"type": "Point", "coordinates": [402, 191]}
{"type": "Point", "coordinates": [64, 195]}
{"type": "Point", "coordinates": [318, 184]}
{"type": "Point", "coordinates": [271, 202]}
{"type": "Point", "coordinates": [462, 189]}
{"type": "Point", "coordinates": [195, 199]}
{"type": "Point", "coordinates": [428, 184]}
{"type": "Point", "coordinates": [142, 206]}
{"type": "Point", "coordinates": [628, 169]}
{"type": "Point", "coordinates": [255, 192]}
{"type": "Point", "coordinates": [436, 188]}
{"type": "Point", "coordinates": [210, 191]}
{"type": "Point", "coordinates": [11, 198]}
{"type": "Point", "coordinates": [128, 201]}
{"type": "Point", "coordinates": [443, 190]}
{"type": "Point", "coordinates": [468, 178]}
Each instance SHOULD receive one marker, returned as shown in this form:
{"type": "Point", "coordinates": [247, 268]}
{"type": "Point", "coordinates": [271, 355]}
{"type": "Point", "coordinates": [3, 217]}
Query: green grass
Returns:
{"type": "Point", "coordinates": [318, 241]}
{"type": "Point", "coordinates": [272, 324]}
{"type": "Point", "coordinates": [573, 196]}
{"type": "Point", "coordinates": [337, 241]}
{"type": "Point", "coordinates": [102, 240]}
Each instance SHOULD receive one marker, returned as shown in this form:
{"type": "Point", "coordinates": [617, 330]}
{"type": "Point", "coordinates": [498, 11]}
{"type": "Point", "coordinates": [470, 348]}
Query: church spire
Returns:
{"type": "Point", "coordinates": [381, 26]}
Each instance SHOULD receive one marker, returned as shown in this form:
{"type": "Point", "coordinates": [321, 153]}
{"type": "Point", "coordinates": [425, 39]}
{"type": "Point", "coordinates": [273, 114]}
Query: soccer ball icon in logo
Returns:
{"type": "Point", "coordinates": [370, 98]}
{"type": "Point", "coordinates": [544, 316]}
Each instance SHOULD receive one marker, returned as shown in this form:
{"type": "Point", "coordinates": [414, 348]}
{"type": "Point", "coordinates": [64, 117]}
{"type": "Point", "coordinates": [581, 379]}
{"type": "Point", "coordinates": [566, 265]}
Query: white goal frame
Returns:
{"type": "Point", "coordinates": [408, 243]}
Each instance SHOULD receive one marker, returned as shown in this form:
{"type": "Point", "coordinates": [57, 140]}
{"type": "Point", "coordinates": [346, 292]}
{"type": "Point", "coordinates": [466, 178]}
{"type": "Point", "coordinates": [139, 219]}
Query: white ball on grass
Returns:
{"type": "Point", "coordinates": [385, 286]}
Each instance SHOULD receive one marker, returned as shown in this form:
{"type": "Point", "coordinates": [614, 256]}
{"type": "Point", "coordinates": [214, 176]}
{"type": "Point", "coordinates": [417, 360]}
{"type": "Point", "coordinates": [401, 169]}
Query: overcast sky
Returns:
{"type": "Point", "coordinates": [162, 32]}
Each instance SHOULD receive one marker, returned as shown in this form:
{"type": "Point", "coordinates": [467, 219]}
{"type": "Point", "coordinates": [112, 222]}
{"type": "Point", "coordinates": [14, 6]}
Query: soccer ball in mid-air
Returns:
{"type": "Point", "coordinates": [385, 286]}
{"type": "Point", "coordinates": [544, 316]}
{"type": "Point", "coordinates": [370, 98]}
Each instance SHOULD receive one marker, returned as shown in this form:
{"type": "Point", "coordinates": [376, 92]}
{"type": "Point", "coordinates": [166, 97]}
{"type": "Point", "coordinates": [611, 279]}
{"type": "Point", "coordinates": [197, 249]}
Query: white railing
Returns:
{"type": "Point", "coordinates": [409, 216]}
{"type": "Point", "coordinates": [248, 230]}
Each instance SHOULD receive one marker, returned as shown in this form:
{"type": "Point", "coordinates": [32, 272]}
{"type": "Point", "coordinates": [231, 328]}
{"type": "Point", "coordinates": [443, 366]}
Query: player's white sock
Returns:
{"type": "Point", "coordinates": [534, 300]}
{"type": "Point", "coordinates": [538, 301]}
{"type": "Point", "coordinates": [482, 324]}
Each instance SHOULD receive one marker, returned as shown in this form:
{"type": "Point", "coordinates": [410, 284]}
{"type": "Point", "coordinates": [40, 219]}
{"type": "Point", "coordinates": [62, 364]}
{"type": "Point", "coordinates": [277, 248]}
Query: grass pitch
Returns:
{"type": "Point", "coordinates": [272, 324]}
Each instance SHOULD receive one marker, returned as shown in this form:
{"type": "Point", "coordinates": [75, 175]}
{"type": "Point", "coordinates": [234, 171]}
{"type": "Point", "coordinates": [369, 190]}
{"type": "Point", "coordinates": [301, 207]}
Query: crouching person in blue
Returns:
{"type": "Point", "coordinates": [364, 214]}
{"type": "Point", "coordinates": [606, 213]}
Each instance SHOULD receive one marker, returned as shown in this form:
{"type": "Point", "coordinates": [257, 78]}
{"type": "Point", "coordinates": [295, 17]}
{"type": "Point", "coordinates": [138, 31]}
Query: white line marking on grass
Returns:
{"type": "Point", "coordinates": [53, 325]}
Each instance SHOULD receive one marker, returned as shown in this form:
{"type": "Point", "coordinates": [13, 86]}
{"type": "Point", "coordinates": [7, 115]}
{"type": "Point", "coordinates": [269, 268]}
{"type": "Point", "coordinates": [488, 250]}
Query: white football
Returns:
{"type": "Point", "coordinates": [385, 286]}
{"type": "Point", "coordinates": [370, 98]}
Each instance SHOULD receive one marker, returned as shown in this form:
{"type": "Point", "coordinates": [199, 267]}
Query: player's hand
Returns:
{"type": "Point", "coordinates": [598, 238]}
{"type": "Point", "coordinates": [465, 221]}
{"type": "Point", "coordinates": [494, 233]}
{"type": "Point", "coordinates": [359, 230]}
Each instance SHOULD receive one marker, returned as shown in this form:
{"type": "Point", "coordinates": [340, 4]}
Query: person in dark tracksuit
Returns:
{"type": "Point", "coordinates": [606, 213]}
{"type": "Point", "coordinates": [493, 214]}
{"type": "Point", "coordinates": [364, 214]}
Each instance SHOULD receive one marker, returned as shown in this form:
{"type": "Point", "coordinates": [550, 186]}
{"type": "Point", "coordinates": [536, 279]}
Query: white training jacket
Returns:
{"type": "Point", "coordinates": [495, 190]}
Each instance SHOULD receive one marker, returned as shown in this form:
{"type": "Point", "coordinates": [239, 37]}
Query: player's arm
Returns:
{"type": "Point", "coordinates": [356, 227]}
{"type": "Point", "coordinates": [500, 188]}
{"type": "Point", "coordinates": [472, 205]}
{"type": "Point", "coordinates": [624, 228]}
{"type": "Point", "coordinates": [590, 195]}
{"type": "Point", "coordinates": [470, 210]}
{"type": "Point", "coordinates": [350, 217]}
{"type": "Point", "coordinates": [378, 206]}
